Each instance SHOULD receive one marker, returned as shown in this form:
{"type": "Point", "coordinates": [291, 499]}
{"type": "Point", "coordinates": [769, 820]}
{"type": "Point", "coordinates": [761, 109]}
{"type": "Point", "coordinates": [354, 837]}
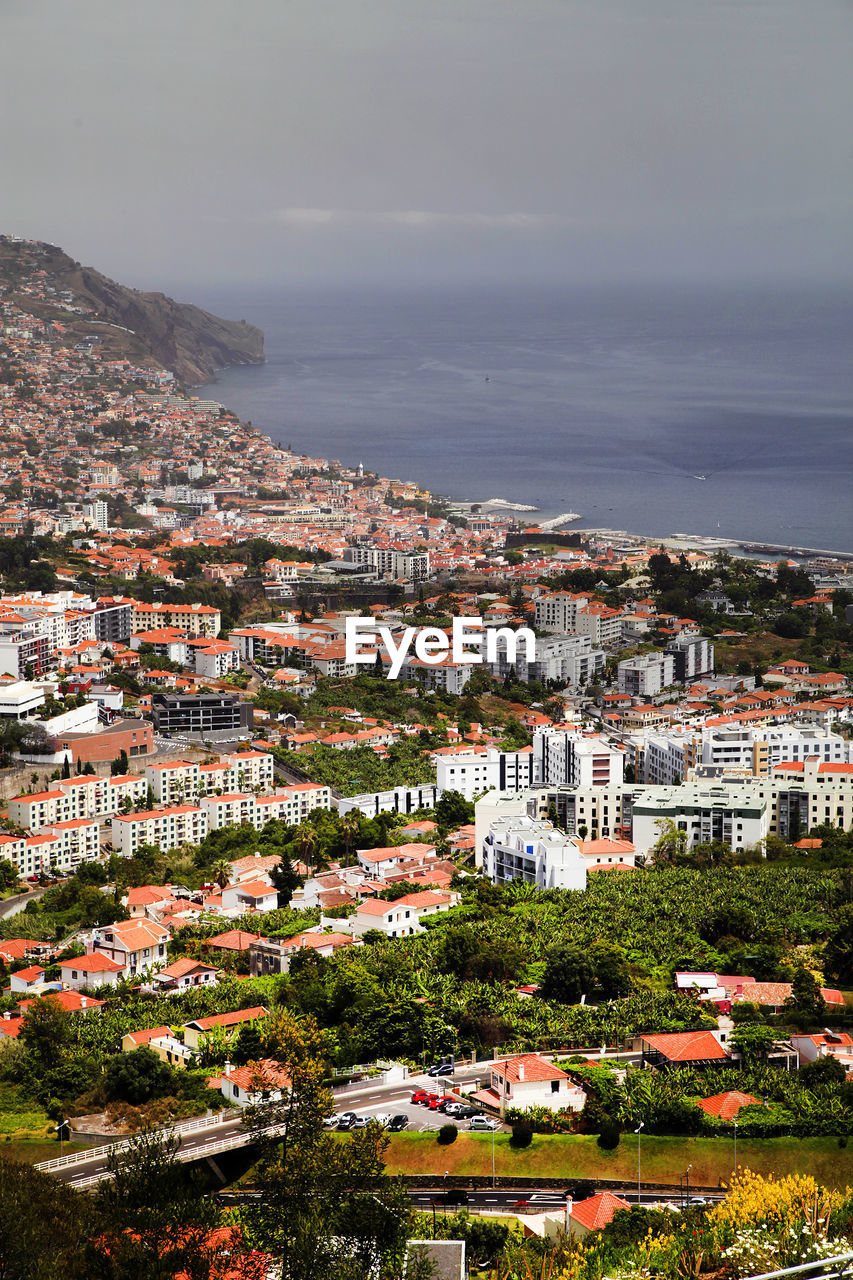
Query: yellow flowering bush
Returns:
{"type": "Point", "coordinates": [754, 1199]}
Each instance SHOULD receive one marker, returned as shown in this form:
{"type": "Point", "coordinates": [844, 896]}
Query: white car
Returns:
{"type": "Point", "coordinates": [383, 1118]}
{"type": "Point", "coordinates": [485, 1124]}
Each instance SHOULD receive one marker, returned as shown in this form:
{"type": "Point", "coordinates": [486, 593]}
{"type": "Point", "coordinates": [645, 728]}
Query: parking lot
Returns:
{"type": "Point", "coordinates": [420, 1118]}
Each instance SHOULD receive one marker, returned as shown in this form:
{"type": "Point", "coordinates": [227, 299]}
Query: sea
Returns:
{"type": "Point", "coordinates": [725, 412]}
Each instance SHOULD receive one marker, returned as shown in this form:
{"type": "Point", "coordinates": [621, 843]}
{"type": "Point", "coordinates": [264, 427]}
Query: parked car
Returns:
{"type": "Point", "coordinates": [466, 1111]}
{"type": "Point", "coordinates": [329, 1122]}
{"type": "Point", "coordinates": [347, 1119]}
{"type": "Point", "coordinates": [445, 1105]}
{"type": "Point", "coordinates": [434, 1101]}
{"type": "Point", "coordinates": [453, 1108]}
{"type": "Point", "coordinates": [441, 1069]}
{"type": "Point", "coordinates": [382, 1118]}
{"type": "Point", "coordinates": [361, 1122]}
{"type": "Point", "coordinates": [396, 1123]}
{"type": "Point", "coordinates": [484, 1124]}
{"type": "Point", "coordinates": [420, 1095]}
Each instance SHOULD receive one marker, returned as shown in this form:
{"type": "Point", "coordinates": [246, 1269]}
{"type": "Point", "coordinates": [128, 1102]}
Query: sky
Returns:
{"type": "Point", "coordinates": [177, 143]}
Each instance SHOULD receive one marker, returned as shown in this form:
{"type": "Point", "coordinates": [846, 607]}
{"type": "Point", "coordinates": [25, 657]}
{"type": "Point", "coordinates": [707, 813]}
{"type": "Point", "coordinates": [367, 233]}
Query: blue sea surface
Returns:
{"type": "Point", "coordinates": [707, 411]}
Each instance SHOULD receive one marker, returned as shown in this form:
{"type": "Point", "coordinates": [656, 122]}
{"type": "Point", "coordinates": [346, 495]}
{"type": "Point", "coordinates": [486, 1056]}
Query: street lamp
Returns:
{"type": "Point", "coordinates": [493, 1157]}
{"type": "Point", "coordinates": [735, 1163]}
{"type": "Point", "coordinates": [60, 1129]}
{"type": "Point", "coordinates": [637, 1131]}
{"type": "Point", "coordinates": [687, 1178]}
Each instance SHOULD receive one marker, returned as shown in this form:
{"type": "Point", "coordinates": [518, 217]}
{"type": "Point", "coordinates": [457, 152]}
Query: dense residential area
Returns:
{"type": "Point", "coordinates": [558, 920]}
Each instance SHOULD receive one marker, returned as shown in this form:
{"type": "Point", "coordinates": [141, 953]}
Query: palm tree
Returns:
{"type": "Point", "coordinates": [221, 872]}
{"type": "Point", "coordinates": [350, 827]}
{"type": "Point", "coordinates": [306, 841]}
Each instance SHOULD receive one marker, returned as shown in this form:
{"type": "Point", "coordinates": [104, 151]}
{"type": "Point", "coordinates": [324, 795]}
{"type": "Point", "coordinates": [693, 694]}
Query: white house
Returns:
{"type": "Point", "coordinates": [402, 918]}
{"type": "Point", "coordinates": [183, 974]}
{"type": "Point", "coordinates": [260, 1081]}
{"type": "Point", "coordinates": [95, 970]}
{"type": "Point", "coordinates": [137, 945]}
{"type": "Point", "coordinates": [530, 1080]}
{"type": "Point", "coordinates": [254, 896]}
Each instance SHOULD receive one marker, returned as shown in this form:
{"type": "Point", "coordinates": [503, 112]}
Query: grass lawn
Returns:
{"type": "Point", "coordinates": [579, 1156]}
{"type": "Point", "coordinates": [35, 1152]}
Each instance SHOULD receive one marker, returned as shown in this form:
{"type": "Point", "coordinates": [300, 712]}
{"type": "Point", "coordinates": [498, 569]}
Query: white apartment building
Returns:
{"type": "Point", "coordinates": [600, 623]}
{"type": "Point", "coordinates": [165, 828]}
{"type": "Point", "coordinates": [194, 619]}
{"type": "Point", "coordinates": [389, 562]}
{"type": "Point", "coordinates": [594, 812]}
{"type": "Point", "coordinates": [251, 768]}
{"type": "Point", "coordinates": [173, 781]}
{"type": "Point", "coordinates": [668, 758]}
{"type": "Point", "coordinates": [473, 772]}
{"type": "Point", "coordinates": [559, 611]}
{"type": "Point", "coordinates": [647, 674]}
{"type": "Point", "coordinates": [738, 815]}
{"type": "Point", "coordinates": [528, 849]}
{"type": "Point", "coordinates": [571, 758]}
{"type": "Point", "coordinates": [567, 660]}
{"type": "Point", "coordinates": [450, 676]}
{"type": "Point", "coordinates": [215, 660]}
{"type": "Point", "coordinates": [40, 809]}
{"type": "Point", "coordinates": [93, 796]}
{"type": "Point", "coordinates": [20, 699]}
{"type": "Point", "coordinates": [77, 840]}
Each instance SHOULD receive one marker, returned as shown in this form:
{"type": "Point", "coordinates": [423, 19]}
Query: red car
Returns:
{"type": "Point", "coordinates": [420, 1095]}
{"type": "Point", "coordinates": [433, 1100]}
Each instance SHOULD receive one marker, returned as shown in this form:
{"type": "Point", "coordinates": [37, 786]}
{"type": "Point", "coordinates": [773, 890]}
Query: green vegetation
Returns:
{"type": "Point", "coordinates": [663, 1159]}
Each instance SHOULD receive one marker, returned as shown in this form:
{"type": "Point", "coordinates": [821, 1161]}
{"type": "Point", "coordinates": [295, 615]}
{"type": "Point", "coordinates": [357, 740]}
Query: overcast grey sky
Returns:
{"type": "Point", "coordinates": [173, 142]}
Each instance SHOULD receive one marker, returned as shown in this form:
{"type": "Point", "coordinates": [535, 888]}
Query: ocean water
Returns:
{"type": "Point", "coordinates": [711, 412]}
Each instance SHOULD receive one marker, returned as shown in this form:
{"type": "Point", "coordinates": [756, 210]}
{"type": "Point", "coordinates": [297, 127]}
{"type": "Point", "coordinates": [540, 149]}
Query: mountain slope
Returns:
{"type": "Point", "coordinates": [179, 336]}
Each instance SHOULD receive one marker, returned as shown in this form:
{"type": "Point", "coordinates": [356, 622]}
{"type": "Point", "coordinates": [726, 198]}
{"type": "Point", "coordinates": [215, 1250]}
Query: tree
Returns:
{"type": "Point", "coordinates": [838, 952]}
{"type": "Point", "coordinates": [220, 872]}
{"type": "Point", "coordinates": [9, 875]}
{"type": "Point", "coordinates": [350, 826]}
{"type": "Point", "coordinates": [120, 765]}
{"type": "Point", "coordinates": [45, 1033]}
{"type": "Point", "coordinates": [823, 1071]}
{"type": "Point", "coordinates": [447, 1134]}
{"type": "Point", "coordinates": [753, 1043]}
{"type": "Point", "coordinates": [154, 1219]}
{"type": "Point", "coordinates": [568, 975]}
{"type": "Point", "coordinates": [326, 1208]}
{"type": "Point", "coordinates": [138, 1077]}
{"type": "Point", "coordinates": [671, 844]}
{"type": "Point", "coordinates": [284, 879]}
{"type": "Point", "coordinates": [805, 999]}
{"type": "Point", "coordinates": [453, 811]}
{"type": "Point", "coordinates": [43, 1225]}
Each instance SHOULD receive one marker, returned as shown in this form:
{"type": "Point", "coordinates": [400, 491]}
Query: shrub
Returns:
{"type": "Point", "coordinates": [608, 1138]}
{"type": "Point", "coordinates": [522, 1136]}
{"type": "Point", "coordinates": [447, 1133]}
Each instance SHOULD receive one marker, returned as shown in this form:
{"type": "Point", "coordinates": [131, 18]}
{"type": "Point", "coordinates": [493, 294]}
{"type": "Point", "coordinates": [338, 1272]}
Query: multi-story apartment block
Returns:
{"type": "Point", "coordinates": [173, 781]}
{"type": "Point", "coordinates": [40, 809]}
{"type": "Point", "coordinates": [533, 851]}
{"type": "Point", "coordinates": [569, 757]}
{"type": "Point", "coordinates": [602, 624]}
{"type": "Point", "coordinates": [77, 840]}
{"type": "Point", "coordinates": [251, 768]}
{"type": "Point", "coordinates": [595, 812]}
{"type": "Point", "coordinates": [473, 772]}
{"type": "Point", "coordinates": [202, 714]}
{"type": "Point", "coordinates": [647, 674]}
{"type": "Point", "coordinates": [166, 828]}
{"type": "Point", "coordinates": [559, 611]}
{"type": "Point", "coordinates": [391, 562]}
{"type": "Point", "coordinates": [560, 659]}
{"type": "Point", "coordinates": [693, 657]}
{"type": "Point", "coordinates": [194, 619]}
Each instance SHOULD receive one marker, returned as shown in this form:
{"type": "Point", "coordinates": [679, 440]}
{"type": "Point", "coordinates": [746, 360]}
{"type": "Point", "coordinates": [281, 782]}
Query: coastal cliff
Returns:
{"type": "Point", "coordinates": [144, 327]}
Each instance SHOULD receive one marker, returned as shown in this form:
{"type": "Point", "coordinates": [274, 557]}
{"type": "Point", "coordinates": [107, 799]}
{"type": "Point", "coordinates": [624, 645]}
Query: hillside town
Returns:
{"type": "Point", "coordinates": [595, 882]}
